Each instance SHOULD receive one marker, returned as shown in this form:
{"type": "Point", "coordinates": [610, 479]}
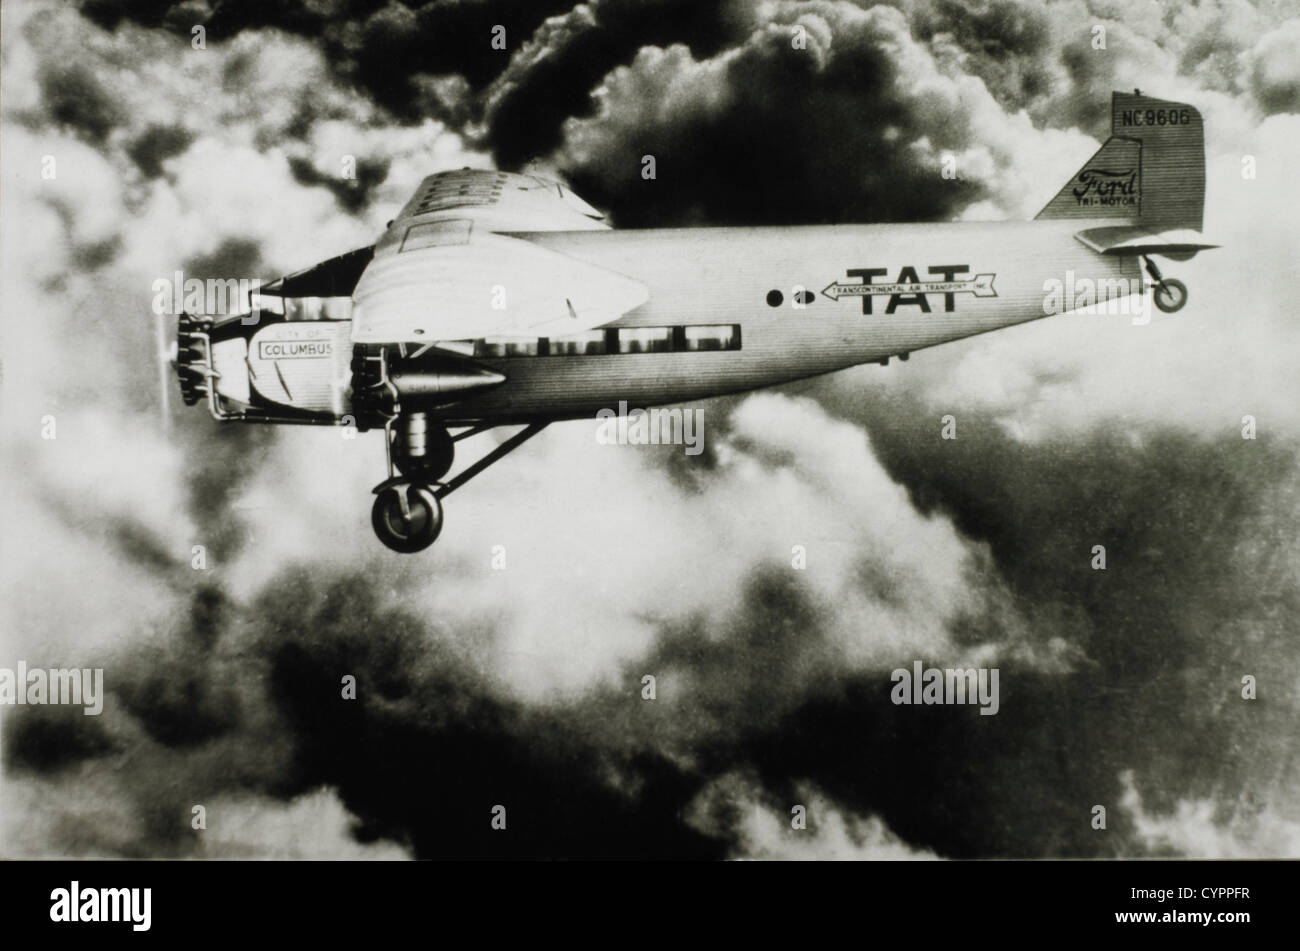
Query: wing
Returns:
{"type": "Point", "coordinates": [456, 265]}
{"type": "Point", "coordinates": [499, 202]}
{"type": "Point", "coordinates": [469, 286]}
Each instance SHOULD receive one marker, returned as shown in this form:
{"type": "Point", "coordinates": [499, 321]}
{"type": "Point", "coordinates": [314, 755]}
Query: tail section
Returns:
{"type": "Point", "coordinates": [1151, 170]}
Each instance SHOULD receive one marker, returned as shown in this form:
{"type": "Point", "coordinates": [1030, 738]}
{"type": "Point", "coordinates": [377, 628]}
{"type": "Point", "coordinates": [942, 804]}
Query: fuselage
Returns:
{"type": "Point", "coordinates": [802, 301]}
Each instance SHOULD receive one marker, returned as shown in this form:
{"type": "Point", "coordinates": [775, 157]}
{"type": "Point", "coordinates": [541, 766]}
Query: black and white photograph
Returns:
{"type": "Point", "coordinates": [695, 430]}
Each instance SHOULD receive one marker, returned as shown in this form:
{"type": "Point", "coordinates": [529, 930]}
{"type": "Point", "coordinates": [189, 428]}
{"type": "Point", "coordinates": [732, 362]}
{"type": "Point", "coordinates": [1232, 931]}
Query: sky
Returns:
{"type": "Point", "coordinates": [523, 686]}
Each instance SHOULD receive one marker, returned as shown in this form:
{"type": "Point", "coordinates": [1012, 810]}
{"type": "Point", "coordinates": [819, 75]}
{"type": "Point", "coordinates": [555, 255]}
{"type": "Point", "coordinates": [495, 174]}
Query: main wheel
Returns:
{"type": "Point", "coordinates": [412, 529]}
{"type": "Point", "coordinates": [1171, 295]}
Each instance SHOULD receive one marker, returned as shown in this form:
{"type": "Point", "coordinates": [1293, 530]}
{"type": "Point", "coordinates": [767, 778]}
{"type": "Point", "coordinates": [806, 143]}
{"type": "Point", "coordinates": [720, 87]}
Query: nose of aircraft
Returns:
{"type": "Point", "coordinates": [191, 358]}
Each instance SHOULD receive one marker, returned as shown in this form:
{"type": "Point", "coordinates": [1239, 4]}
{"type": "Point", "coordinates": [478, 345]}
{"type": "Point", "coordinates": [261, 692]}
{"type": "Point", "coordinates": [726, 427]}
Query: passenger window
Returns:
{"type": "Point", "coordinates": [584, 344]}
{"type": "Point", "coordinates": [645, 339]}
{"type": "Point", "coordinates": [713, 337]}
{"type": "Point", "coordinates": [507, 347]}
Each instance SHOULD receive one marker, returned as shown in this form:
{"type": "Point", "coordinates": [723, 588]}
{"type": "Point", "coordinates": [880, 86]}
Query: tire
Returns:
{"type": "Point", "coordinates": [1170, 295]}
{"type": "Point", "coordinates": [399, 534]}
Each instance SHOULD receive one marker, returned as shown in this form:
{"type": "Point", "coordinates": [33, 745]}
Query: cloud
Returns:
{"type": "Point", "coordinates": [523, 687]}
{"type": "Point", "coordinates": [1274, 75]}
{"type": "Point", "coordinates": [859, 104]}
{"type": "Point", "coordinates": [1200, 827]}
{"type": "Point", "coordinates": [734, 806]}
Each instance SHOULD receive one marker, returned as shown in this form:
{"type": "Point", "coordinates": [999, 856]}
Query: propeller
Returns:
{"type": "Point", "coordinates": [166, 354]}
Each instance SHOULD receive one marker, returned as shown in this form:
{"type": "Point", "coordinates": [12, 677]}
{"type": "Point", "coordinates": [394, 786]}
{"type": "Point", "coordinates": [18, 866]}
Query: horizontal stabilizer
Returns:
{"type": "Point", "coordinates": [1131, 239]}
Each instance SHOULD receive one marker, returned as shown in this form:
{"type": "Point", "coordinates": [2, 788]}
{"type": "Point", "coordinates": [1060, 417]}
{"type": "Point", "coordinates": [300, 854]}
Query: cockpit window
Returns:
{"type": "Point", "coordinates": [437, 234]}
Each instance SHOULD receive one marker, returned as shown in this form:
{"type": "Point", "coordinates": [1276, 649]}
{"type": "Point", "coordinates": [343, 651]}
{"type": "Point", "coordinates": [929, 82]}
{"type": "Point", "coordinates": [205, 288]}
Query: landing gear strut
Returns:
{"type": "Point", "coordinates": [422, 451]}
{"type": "Point", "coordinates": [1170, 294]}
{"type": "Point", "coordinates": [407, 514]}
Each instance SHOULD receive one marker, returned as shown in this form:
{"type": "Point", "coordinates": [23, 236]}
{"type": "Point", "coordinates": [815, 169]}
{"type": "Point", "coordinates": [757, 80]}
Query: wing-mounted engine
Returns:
{"type": "Point", "coordinates": [389, 380]}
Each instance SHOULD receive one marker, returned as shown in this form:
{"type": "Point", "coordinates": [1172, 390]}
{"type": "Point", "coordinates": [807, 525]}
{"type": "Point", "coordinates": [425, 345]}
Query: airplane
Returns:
{"type": "Point", "coordinates": [496, 299]}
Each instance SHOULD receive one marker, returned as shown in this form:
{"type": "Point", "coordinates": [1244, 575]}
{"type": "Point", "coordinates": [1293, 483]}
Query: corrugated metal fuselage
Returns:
{"type": "Point", "coordinates": [718, 276]}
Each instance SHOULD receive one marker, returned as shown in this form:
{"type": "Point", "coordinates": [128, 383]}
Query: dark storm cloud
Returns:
{"type": "Point", "coordinates": [156, 144]}
{"type": "Point", "coordinates": [419, 757]}
{"type": "Point", "coordinates": [552, 76]}
{"type": "Point", "coordinates": [382, 46]}
{"type": "Point", "coordinates": [93, 255]}
{"type": "Point", "coordinates": [352, 194]}
{"type": "Point", "coordinates": [46, 739]}
{"type": "Point", "coordinates": [426, 750]}
{"type": "Point", "coordinates": [746, 127]}
{"type": "Point", "coordinates": [223, 17]}
{"type": "Point", "coordinates": [1195, 595]}
{"type": "Point", "coordinates": [831, 117]}
{"type": "Point", "coordinates": [818, 120]}
{"type": "Point", "coordinates": [1006, 40]}
{"type": "Point", "coordinates": [177, 695]}
{"type": "Point", "coordinates": [232, 258]}
{"type": "Point", "coordinates": [76, 100]}
{"type": "Point", "coordinates": [1165, 634]}
{"type": "Point", "coordinates": [784, 136]}
{"type": "Point", "coordinates": [221, 460]}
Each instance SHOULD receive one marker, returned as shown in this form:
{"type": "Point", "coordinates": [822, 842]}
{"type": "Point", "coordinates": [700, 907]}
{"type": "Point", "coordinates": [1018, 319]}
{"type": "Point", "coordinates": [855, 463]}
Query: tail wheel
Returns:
{"type": "Point", "coordinates": [1171, 295]}
{"type": "Point", "coordinates": [407, 518]}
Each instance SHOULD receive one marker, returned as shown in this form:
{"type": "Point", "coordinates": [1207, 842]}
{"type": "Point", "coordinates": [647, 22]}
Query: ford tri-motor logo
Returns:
{"type": "Point", "coordinates": [1100, 186]}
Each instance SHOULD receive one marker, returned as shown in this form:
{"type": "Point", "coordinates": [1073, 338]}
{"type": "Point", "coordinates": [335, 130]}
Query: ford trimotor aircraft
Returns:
{"type": "Point", "coordinates": [498, 299]}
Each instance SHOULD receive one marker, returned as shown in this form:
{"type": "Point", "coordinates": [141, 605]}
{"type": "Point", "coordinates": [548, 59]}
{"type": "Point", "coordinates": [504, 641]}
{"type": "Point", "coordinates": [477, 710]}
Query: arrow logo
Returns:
{"type": "Point", "coordinates": [981, 285]}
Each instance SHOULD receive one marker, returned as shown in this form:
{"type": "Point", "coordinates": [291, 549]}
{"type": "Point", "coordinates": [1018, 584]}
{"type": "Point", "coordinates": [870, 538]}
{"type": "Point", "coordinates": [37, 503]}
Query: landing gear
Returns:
{"type": "Point", "coordinates": [407, 514]}
{"type": "Point", "coordinates": [1170, 294]}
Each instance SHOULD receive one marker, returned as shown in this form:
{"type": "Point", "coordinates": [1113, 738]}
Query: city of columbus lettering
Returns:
{"type": "Point", "coordinates": [909, 289]}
